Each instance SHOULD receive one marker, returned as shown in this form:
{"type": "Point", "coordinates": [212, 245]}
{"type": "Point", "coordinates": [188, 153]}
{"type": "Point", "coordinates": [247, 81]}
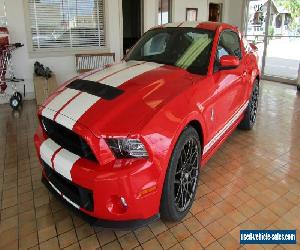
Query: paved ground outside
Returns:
{"type": "Point", "coordinates": [283, 57]}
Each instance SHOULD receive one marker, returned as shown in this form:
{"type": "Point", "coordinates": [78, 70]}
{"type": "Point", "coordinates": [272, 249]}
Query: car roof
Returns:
{"type": "Point", "coordinates": [200, 25]}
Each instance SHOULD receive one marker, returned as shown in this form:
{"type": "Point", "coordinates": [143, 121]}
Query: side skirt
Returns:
{"type": "Point", "coordinates": [212, 151]}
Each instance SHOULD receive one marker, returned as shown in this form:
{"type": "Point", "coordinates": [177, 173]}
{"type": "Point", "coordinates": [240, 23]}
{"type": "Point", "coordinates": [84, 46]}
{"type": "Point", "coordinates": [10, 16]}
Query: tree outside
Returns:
{"type": "Point", "coordinates": [293, 6]}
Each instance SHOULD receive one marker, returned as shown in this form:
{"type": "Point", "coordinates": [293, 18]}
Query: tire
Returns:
{"type": "Point", "coordinates": [251, 111]}
{"type": "Point", "coordinates": [19, 96]}
{"type": "Point", "coordinates": [181, 179]}
{"type": "Point", "coordinates": [14, 102]}
{"type": "Point", "coordinates": [298, 87]}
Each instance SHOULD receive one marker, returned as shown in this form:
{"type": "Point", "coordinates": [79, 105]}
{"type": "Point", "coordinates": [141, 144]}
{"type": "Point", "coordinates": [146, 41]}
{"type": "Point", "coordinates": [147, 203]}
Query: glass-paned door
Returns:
{"type": "Point", "coordinates": [255, 26]}
{"type": "Point", "coordinates": [274, 27]}
{"type": "Point", "coordinates": [283, 40]}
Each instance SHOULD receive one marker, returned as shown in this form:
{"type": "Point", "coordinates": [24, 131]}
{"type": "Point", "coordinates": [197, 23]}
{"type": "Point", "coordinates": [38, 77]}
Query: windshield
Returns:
{"type": "Point", "coordinates": [187, 48]}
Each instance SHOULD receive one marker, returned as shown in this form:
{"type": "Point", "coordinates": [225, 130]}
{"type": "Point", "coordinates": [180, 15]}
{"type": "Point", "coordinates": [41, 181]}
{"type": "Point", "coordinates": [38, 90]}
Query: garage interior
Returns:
{"type": "Point", "coordinates": [252, 182]}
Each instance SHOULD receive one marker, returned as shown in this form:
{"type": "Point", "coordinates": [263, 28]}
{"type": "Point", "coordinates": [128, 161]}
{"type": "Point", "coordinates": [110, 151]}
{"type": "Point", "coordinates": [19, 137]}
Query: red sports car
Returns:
{"type": "Point", "coordinates": [124, 145]}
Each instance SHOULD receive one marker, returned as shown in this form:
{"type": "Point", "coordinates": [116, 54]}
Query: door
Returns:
{"type": "Point", "coordinates": [215, 12]}
{"type": "Point", "coordinates": [273, 26]}
{"type": "Point", "coordinates": [229, 84]}
{"type": "Point", "coordinates": [132, 22]}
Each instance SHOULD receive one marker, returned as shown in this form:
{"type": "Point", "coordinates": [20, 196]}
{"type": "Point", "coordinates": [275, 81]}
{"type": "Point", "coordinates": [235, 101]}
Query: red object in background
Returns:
{"type": "Point", "coordinates": [154, 104]}
{"type": "Point", "coordinates": [4, 41]}
{"type": "Point", "coordinates": [4, 36]}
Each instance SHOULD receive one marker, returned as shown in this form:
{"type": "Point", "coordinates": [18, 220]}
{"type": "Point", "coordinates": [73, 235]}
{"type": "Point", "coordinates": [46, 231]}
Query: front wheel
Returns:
{"type": "Point", "coordinates": [251, 111]}
{"type": "Point", "coordinates": [14, 102]}
{"type": "Point", "coordinates": [182, 177]}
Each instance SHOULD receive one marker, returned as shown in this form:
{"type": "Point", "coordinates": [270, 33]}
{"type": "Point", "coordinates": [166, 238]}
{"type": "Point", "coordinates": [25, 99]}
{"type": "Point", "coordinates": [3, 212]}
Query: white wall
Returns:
{"type": "Point", "coordinates": [63, 66]}
{"type": "Point", "coordinates": [235, 12]}
{"type": "Point", "coordinates": [150, 14]}
{"type": "Point", "coordinates": [179, 9]}
{"type": "Point", "coordinates": [232, 10]}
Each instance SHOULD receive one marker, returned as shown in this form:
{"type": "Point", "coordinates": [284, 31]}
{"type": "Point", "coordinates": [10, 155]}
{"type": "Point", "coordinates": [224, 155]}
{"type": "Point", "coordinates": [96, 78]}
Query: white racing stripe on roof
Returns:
{"type": "Point", "coordinates": [75, 109]}
{"type": "Point", "coordinates": [182, 24]}
{"type": "Point", "coordinates": [126, 75]}
{"type": "Point", "coordinates": [47, 150]}
{"type": "Point", "coordinates": [172, 25]}
{"type": "Point", "coordinates": [63, 163]}
{"type": "Point", "coordinates": [189, 25]}
{"type": "Point", "coordinates": [58, 102]}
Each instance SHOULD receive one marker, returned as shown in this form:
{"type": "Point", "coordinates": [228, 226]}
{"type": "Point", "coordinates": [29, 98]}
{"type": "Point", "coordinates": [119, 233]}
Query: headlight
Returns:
{"type": "Point", "coordinates": [127, 148]}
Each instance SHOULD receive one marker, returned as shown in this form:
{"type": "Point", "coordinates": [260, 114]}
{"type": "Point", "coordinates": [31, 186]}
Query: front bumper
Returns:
{"type": "Point", "coordinates": [138, 181]}
{"type": "Point", "coordinates": [120, 225]}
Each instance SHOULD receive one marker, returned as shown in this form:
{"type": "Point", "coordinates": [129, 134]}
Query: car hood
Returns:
{"type": "Point", "coordinates": [132, 90]}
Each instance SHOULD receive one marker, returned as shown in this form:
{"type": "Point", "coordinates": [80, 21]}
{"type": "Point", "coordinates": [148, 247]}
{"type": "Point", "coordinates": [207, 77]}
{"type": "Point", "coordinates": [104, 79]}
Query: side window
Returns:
{"type": "Point", "coordinates": [229, 44]}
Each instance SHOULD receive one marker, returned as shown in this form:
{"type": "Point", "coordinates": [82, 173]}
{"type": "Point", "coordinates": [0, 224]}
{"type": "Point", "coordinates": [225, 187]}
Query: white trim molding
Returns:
{"type": "Point", "coordinates": [227, 126]}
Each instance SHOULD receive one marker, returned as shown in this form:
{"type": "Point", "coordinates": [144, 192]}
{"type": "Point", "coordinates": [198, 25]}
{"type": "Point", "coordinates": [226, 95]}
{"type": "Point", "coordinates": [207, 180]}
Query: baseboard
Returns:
{"type": "Point", "coordinates": [28, 96]}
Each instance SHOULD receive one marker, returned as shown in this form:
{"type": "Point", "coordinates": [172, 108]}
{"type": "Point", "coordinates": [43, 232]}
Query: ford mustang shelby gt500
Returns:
{"type": "Point", "coordinates": [124, 145]}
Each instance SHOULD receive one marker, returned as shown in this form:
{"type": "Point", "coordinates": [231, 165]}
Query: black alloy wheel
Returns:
{"type": "Point", "coordinates": [254, 104]}
{"type": "Point", "coordinates": [251, 111]}
{"type": "Point", "coordinates": [186, 175]}
{"type": "Point", "coordinates": [182, 176]}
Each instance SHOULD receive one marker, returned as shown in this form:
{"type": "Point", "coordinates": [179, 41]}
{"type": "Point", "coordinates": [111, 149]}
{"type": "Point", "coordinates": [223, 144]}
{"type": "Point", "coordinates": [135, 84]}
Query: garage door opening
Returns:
{"type": "Point", "coordinates": [132, 22]}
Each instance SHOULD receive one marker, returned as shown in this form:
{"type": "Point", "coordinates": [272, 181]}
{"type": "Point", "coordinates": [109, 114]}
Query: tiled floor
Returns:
{"type": "Point", "coordinates": [252, 182]}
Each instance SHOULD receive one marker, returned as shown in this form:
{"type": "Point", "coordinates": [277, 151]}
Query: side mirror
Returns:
{"type": "Point", "coordinates": [229, 62]}
{"type": "Point", "coordinates": [253, 46]}
{"type": "Point", "coordinates": [126, 53]}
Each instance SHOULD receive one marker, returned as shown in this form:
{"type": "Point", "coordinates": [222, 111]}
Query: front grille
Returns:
{"type": "Point", "coordinates": [80, 196]}
{"type": "Point", "coordinates": [67, 139]}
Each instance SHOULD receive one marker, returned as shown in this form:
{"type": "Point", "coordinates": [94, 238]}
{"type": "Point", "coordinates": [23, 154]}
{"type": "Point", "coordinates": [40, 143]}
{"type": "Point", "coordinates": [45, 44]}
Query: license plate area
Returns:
{"type": "Point", "coordinates": [76, 194]}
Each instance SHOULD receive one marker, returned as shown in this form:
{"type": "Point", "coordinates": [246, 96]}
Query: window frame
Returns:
{"type": "Point", "coordinates": [60, 52]}
{"type": "Point", "coordinates": [170, 18]}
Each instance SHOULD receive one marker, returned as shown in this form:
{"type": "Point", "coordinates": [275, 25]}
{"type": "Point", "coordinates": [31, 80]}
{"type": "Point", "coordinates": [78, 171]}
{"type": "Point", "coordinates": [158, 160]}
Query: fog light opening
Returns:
{"type": "Point", "coordinates": [117, 205]}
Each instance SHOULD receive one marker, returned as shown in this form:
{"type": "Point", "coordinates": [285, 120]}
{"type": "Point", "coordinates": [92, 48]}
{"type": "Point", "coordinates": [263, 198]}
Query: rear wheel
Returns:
{"type": "Point", "coordinates": [251, 111]}
{"type": "Point", "coordinates": [182, 177]}
{"type": "Point", "coordinates": [19, 96]}
{"type": "Point", "coordinates": [14, 102]}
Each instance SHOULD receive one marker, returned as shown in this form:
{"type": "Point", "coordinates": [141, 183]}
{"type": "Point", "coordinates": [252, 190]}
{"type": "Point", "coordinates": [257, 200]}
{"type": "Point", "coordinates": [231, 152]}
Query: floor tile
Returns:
{"type": "Point", "coordinates": [252, 182]}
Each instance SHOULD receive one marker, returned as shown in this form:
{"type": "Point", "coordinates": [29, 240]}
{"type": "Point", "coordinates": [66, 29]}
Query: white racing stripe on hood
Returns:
{"type": "Point", "coordinates": [58, 102]}
{"type": "Point", "coordinates": [126, 75]}
{"type": "Point", "coordinates": [75, 109]}
{"type": "Point", "coordinates": [113, 76]}
{"type": "Point", "coordinates": [111, 70]}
